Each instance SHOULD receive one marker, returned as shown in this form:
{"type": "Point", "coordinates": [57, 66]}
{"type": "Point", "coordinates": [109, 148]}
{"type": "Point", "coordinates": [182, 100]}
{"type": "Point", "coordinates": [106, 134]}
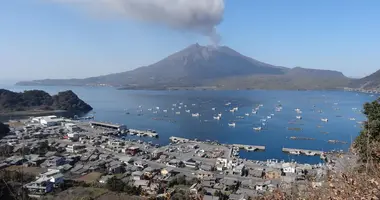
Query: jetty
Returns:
{"type": "Point", "coordinates": [117, 127]}
{"type": "Point", "coordinates": [249, 147]}
{"type": "Point", "coordinates": [142, 133]}
{"type": "Point", "coordinates": [303, 151]}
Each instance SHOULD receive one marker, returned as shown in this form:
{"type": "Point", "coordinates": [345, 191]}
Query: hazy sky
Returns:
{"type": "Point", "coordinates": [51, 39]}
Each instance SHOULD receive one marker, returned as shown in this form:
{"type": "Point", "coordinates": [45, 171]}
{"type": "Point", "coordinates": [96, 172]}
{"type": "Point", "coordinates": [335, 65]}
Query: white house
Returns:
{"type": "Point", "coordinates": [289, 167]}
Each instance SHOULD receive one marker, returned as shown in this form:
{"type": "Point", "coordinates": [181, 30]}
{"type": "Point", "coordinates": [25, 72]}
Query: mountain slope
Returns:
{"type": "Point", "coordinates": [369, 82]}
{"type": "Point", "coordinates": [189, 67]}
{"type": "Point", "coordinates": [198, 66]}
{"type": "Point", "coordinates": [293, 79]}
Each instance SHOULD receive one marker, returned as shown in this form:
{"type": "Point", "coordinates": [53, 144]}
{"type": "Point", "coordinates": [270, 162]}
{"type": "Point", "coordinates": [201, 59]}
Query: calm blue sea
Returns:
{"type": "Point", "coordinates": [111, 105]}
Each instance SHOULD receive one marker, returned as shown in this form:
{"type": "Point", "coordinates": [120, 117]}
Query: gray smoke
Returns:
{"type": "Point", "coordinates": [201, 16]}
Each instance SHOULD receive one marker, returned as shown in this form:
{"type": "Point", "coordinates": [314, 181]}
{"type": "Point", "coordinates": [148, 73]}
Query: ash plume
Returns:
{"type": "Point", "coordinates": [200, 16]}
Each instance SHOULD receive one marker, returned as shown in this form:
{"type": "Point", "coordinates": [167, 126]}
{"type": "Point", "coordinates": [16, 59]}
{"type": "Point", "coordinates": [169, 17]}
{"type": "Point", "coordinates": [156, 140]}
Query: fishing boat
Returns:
{"type": "Point", "coordinates": [185, 106]}
{"type": "Point", "coordinates": [195, 114]}
{"type": "Point", "coordinates": [165, 111]}
{"type": "Point", "coordinates": [352, 119]}
{"type": "Point", "coordinates": [324, 120]}
{"type": "Point", "coordinates": [149, 109]}
{"type": "Point", "coordinates": [172, 108]}
{"type": "Point", "coordinates": [236, 108]}
{"type": "Point", "coordinates": [263, 120]}
{"type": "Point", "coordinates": [217, 117]}
{"type": "Point", "coordinates": [181, 103]}
{"type": "Point", "coordinates": [187, 111]}
{"type": "Point", "coordinates": [232, 124]}
{"type": "Point", "coordinates": [232, 110]}
{"type": "Point", "coordinates": [294, 152]}
{"type": "Point", "coordinates": [227, 104]}
{"type": "Point", "coordinates": [220, 115]}
{"type": "Point", "coordinates": [212, 108]}
{"type": "Point", "coordinates": [246, 114]}
{"type": "Point", "coordinates": [179, 107]}
{"type": "Point", "coordinates": [269, 117]}
{"type": "Point", "coordinates": [257, 128]}
{"type": "Point", "coordinates": [177, 113]}
{"type": "Point", "coordinates": [299, 117]}
{"type": "Point", "coordinates": [155, 112]}
{"type": "Point", "coordinates": [193, 104]}
{"type": "Point", "coordinates": [254, 112]}
{"type": "Point", "coordinates": [272, 114]}
{"type": "Point", "coordinates": [174, 105]}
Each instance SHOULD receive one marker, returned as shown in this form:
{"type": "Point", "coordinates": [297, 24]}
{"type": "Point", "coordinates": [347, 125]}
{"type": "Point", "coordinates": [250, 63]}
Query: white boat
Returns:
{"type": "Point", "coordinates": [155, 112]}
{"type": "Point", "coordinates": [185, 106]}
{"type": "Point", "coordinates": [172, 108]}
{"type": "Point", "coordinates": [149, 109]}
{"type": "Point", "coordinates": [297, 110]}
{"type": "Point", "coordinates": [294, 152]}
{"type": "Point", "coordinates": [220, 115]}
{"type": "Point", "coordinates": [140, 106]}
{"type": "Point", "coordinates": [181, 103]}
{"type": "Point", "coordinates": [299, 117]}
{"type": "Point", "coordinates": [269, 117]}
{"type": "Point", "coordinates": [158, 108]}
{"type": "Point", "coordinates": [236, 108]}
{"type": "Point", "coordinates": [217, 117]}
{"type": "Point", "coordinates": [195, 114]}
{"type": "Point", "coordinates": [263, 124]}
{"type": "Point", "coordinates": [174, 105]}
{"type": "Point", "coordinates": [257, 128]}
{"type": "Point", "coordinates": [272, 114]}
{"type": "Point", "coordinates": [246, 114]}
{"type": "Point", "coordinates": [232, 110]}
{"type": "Point", "coordinates": [212, 108]}
{"type": "Point", "coordinates": [193, 104]}
{"type": "Point", "coordinates": [165, 111]}
{"type": "Point", "coordinates": [263, 120]}
{"type": "Point", "coordinates": [187, 111]}
{"type": "Point", "coordinates": [227, 104]}
{"type": "Point", "coordinates": [177, 113]}
{"type": "Point", "coordinates": [324, 120]}
{"type": "Point", "coordinates": [179, 107]}
{"type": "Point", "coordinates": [232, 124]}
{"type": "Point", "coordinates": [254, 112]}
{"type": "Point", "coordinates": [352, 119]}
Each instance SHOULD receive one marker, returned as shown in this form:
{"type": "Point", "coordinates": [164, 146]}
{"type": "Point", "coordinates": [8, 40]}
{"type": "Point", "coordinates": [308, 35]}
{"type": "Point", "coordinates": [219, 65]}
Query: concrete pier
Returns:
{"type": "Point", "coordinates": [302, 151]}
{"type": "Point", "coordinates": [142, 133]}
{"type": "Point", "coordinates": [250, 147]}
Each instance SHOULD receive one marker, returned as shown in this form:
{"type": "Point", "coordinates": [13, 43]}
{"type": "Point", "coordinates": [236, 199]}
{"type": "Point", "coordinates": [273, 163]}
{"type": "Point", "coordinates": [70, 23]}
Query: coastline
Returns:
{"type": "Point", "coordinates": [31, 112]}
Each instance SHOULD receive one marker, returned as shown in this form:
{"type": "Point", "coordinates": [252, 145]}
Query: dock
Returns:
{"type": "Point", "coordinates": [249, 147]}
{"type": "Point", "coordinates": [117, 127]}
{"type": "Point", "coordinates": [142, 133]}
{"type": "Point", "coordinates": [303, 151]}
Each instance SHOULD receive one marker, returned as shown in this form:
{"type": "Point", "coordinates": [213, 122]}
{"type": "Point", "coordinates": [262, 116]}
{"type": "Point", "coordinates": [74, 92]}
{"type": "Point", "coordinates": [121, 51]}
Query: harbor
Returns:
{"type": "Point", "coordinates": [302, 151]}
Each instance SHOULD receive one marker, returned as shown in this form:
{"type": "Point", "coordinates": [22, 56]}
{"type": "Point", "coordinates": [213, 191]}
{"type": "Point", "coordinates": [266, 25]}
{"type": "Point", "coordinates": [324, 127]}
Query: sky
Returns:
{"type": "Point", "coordinates": [47, 39]}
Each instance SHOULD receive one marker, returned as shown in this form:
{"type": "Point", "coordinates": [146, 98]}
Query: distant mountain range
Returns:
{"type": "Point", "coordinates": [211, 67]}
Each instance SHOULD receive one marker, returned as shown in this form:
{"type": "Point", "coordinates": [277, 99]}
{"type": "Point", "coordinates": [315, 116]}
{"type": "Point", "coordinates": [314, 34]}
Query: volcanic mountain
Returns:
{"type": "Point", "coordinates": [194, 66]}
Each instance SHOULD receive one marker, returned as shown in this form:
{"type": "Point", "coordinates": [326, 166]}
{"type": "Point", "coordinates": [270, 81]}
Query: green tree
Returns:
{"type": "Point", "coordinates": [367, 143]}
{"type": "Point", "coordinates": [115, 184]}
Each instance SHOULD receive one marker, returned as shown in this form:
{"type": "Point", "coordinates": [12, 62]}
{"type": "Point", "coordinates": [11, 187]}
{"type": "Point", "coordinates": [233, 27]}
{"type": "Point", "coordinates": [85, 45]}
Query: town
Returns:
{"type": "Point", "coordinates": [58, 151]}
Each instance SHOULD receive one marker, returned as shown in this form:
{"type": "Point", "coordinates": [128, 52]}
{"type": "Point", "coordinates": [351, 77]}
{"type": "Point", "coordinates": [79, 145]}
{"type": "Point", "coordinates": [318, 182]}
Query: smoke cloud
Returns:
{"type": "Point", "coordinates": [200, 16]}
